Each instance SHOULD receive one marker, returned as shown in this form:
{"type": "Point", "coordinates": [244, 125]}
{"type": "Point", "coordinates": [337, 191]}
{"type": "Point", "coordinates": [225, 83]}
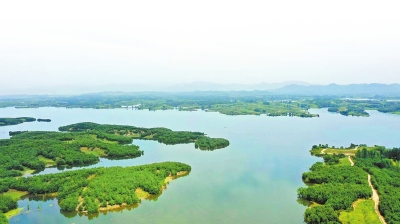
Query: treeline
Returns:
{"type": "Point", "coordinates": [3, 219]}
{"type": "Point", "coordinates": [230, 103]}
{"type": "Point", "coordinates": [333, 187]}
{"type": "Point", "coordinates": [316, 149]}
{"type": "Point", "coordinates": [349, 111]}
{"type": "Point", "coordinates": [162, 135]}
{"type": "Point", "coordinates": [383, 164]}
{"type": "Point", "coordinates": [43, 120]}
{"type": "Point", "coordinates": [26, 150]}
{"type": "Point", "coordinates": [88, 190]}
{"type": "Point", "coordinates": [15, 121]}
{"type": "Point", "coordinates": [6, 204]}
{"type": "Point", "coordinates": [355, 107]}
{"type": "Point", "coordinates": [337, 187]}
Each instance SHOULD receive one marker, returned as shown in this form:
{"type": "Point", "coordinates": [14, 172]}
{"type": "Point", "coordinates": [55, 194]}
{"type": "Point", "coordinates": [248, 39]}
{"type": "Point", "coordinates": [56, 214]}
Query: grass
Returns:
{"type": "Point", "coordinates": [96, 151]}
{"type": "Point", "coordinates": [141, 193]}
{"type": "Point", "coordinates": [363, 213]}
{"type": "Point", "coordinates": [49, 162]}
{"type": "Point", "coordinates": [13, 213]}
{"type": "Point", "coordinates": [28, 171]}
{"type": "Point", "coordinates": [344, 162]}
{"type": "Point", "coordinates": [340, 151]}
{"type": "Point", "coordinates": [14, 194]}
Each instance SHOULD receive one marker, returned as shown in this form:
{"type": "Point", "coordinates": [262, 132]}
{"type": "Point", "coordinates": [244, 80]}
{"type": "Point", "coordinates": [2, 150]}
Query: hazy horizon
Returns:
{"type": "Point", "coordinates": [47, 45]}
{"type": "Point", "coordinates": [160, 87]}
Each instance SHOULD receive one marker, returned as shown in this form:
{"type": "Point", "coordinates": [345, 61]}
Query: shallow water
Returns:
{"type": "Point", "coordinates": [254, 180]}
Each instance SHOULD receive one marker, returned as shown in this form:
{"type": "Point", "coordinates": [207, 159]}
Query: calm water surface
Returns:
{"type": "Point", "coordinates": [254, 180]}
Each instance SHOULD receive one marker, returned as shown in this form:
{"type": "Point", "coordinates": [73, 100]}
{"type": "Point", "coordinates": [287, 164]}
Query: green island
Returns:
{"type": "Point", "coordinates": [89, 191]}
{"type": "Point", "coordinates": [43, 120]}
{"type": "Point", "coordinates": [83, 143]}
{"type": "Point", "coordinates": [356, 184]}
{"type": "Point", "coordinates": [15, 121]}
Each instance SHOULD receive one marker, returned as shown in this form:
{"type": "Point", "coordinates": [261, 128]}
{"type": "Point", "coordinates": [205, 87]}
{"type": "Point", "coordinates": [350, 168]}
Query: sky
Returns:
{"type": "Point", "coordinates": [94, 43]}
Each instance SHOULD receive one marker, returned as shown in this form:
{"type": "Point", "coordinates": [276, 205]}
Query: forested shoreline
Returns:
{"type": "Point", "coordinates": [162, 135]}
{"type": "Point", "coordinates": [83, 143]}
{"type": "Point", "coordinates": [15, 121]}
{"type": "Point", "coordinates": [228, 103]}
{"type": "Point", "coordinates": [334, 186]}
{"type": "Point", "coordinates": [91, 190]}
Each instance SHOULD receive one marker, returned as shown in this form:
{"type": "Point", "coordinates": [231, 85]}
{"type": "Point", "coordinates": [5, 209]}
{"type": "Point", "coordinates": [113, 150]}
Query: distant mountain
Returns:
{"type": "Point", "coordinates": [212, 86]}
{"type": "Point", "coordinates": [341, 90]}
{"type": "Point", "coordinates": [143, 87]}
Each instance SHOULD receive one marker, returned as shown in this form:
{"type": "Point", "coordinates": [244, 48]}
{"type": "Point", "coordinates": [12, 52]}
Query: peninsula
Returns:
{"type": "Point", "coordinates": [357, 184]}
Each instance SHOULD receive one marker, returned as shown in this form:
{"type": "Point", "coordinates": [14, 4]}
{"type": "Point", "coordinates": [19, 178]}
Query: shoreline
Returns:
{"type": "Point", "coordinates": [143, 195]}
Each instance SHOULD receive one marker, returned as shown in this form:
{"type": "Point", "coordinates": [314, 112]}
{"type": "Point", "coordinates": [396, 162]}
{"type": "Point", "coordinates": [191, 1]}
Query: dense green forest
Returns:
{"type": "Point", "coordinates": [229, 103]}
{"type": "Point", "coordinates": [89, 190]}
{"type": "Point", "coordinates": [205, 143]}
{"type": "Point", "coordinates": [355, 107]}
{"type": "Point", "coordinates": [83, 144]}
{"type": "Point", "coordinates": [15, 121]}
{"type": "Point", "coordinates": [335, 187]}
{"type": "Point", "coordinates": [35, 150]}
{"type": "Point", "coordinates": [383, 165]}
{"type": "Point", "coordinates": [43, 120]}
{"type": "Point", "coordinates": [162, 135]}
{"type": "Point", "coordinates": [3, 219]}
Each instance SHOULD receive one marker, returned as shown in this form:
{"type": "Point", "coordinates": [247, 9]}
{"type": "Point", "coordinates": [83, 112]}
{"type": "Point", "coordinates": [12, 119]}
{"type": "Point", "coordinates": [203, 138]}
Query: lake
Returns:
{"type": "Point", "coordinates": [254, 180]}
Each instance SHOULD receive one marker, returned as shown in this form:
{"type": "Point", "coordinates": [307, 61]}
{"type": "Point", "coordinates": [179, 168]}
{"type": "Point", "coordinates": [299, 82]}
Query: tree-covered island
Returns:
{"type": "Point", "coordinates": [83, 143]}
{"type": "Point", "coordinates": [340, 188]}
{"type": "Point", "coordinates": [93, 190]}
{"type": "Point", "coordinates": [15, 121]}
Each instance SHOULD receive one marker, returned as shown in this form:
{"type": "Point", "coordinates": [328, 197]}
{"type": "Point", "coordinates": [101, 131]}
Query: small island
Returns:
{"type": "Point", "coordinates": [15, 121]}
{"type": "Point", "coordinates": [162, 135]}
{"type": "Point", "coordinates": [356, 184]}
{"type": "Point", "coordinates": [43, 120]}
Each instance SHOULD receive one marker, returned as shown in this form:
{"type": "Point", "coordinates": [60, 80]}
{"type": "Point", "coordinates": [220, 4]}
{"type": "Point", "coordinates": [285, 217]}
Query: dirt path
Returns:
{"type": "Point", "coordinates": [375, 198]}
{"type": "Point", "coordinates": [355, 149]}
{"type": "Point", "coordinates": [351, 161]}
